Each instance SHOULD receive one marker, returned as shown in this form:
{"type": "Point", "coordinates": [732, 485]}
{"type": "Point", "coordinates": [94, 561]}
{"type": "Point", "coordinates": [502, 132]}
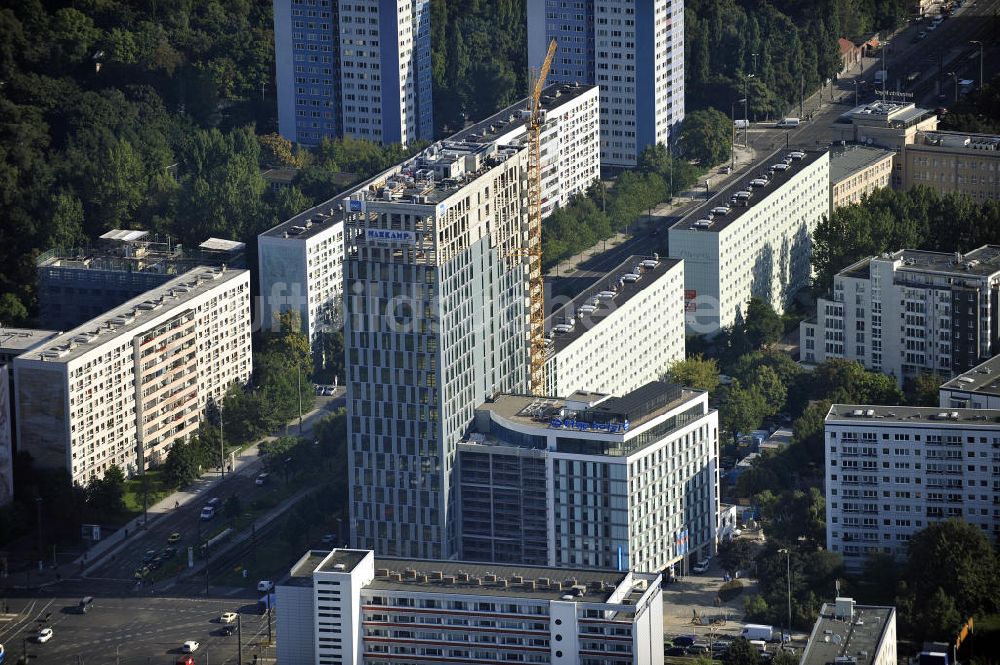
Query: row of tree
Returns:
{"type": "Point", "coordinates": [604, 211]}
{"type": "Point", "coordinates": [887, 220]}
{"type": "Point", "coordinates": [772, 53]}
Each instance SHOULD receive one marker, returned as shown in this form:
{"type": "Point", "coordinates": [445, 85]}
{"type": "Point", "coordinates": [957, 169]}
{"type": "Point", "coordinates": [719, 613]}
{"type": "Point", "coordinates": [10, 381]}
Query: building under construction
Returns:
{"type": "Point", "coordinates": [78, 284]}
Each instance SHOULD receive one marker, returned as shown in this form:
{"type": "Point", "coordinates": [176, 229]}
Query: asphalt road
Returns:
{"type": "Point", "coordinates": [130, 631]}
{"type": "Point", "coordinates": [119, 571]}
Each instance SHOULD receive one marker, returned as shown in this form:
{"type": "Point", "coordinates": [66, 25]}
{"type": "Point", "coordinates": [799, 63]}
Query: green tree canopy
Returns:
{"type": "Point", "coordinates": [707, 137]}
{"type": "Point", "coordinates": [695, 372]}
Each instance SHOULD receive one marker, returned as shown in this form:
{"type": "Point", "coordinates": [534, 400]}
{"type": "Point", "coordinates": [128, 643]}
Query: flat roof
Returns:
{"type": "Point", "coordinates": [222, 245]}
{"type": "Point", "coordinates": [888, 111]}
{"type": "Point", "coordinates": [610, 281]}
{"type": "Point", "coordinates": [911, 415]}
{"type": "Point", "coordinates": [850, 160]}
{"type": "Point", "coordinates": [502, 122]}
{"type": "Point", "coordinates": [833, 637]}
{"type": "Point", "coordinates": [124, 235]}
{"type": "Point", "coordinates": [636, 407]}
{"type": "Point", "coordinates": [981, 262]}
{"type": "Point", "coordinates": [983, 378]}
{"type": "Point", "coordinates": [969, 140]}
{"type": "Point", "coordinates": [301, 574]}
{"type": "Point", "coordinates": [722, 197]}
{"type": "Point", "coordinates": [310, 222]}
{"type": "Point", "coordinates": [19, 340]}
{"type": "Point", "coordinates": [132, 314]}
{"type": "Point", "coordinates": [594, 586]}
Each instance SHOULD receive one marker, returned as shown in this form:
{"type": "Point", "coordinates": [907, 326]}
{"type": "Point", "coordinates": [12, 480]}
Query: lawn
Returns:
{"type": "Point", "coordinates": [157, 490]}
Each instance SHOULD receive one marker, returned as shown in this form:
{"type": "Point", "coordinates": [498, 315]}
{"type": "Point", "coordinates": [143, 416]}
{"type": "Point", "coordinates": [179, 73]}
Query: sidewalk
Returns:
{"type": "Point", "coordinates": [745, 156]}
{"type": "Point", "coordinates": [245, 464]}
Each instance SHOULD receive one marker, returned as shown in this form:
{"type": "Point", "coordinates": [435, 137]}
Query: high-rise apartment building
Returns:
{"type": "Point", "coordinates": [954, 162]}
{"type": "Point", "coordinates": [977, 388]}
{"type": "Point", "coordinates": [620, 333]}
{"type": "Point", "coordinates": [633, 50]}
{"type": "Point", "coordinates": [352, 608]}
{"type": "Point", "coordinates": [569, 139]}
{"type": "Point", "coordinates": [301, 259]}
{"type": "Point", "coordinates": [301, 269]}
{"type": "Point", "coordinates": [910, 311]}
{"type": "Point", "coordinates": [753, 238]}
{"type": "Point", "coordinates": [893, 470]}
{"type": "Point", "coordinates": [435, 322]}
{"type": "Point", "coordinates": [358, 68]}
{"type": "Point", "coordinates": [626, 483]}
{"type": "Point", "coordinates": [123, 387]}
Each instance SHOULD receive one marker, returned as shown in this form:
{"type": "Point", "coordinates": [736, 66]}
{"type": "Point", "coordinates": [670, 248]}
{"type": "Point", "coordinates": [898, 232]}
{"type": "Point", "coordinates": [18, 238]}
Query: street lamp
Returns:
{"type": "Point", "coordinates": [732, 114]}
{"type": "Point", "coordinates": [976, 41]}
{"type": "Point", "coordinates": [954, 75]}
{"type": "Point", "coordinates": [788, 569]}
{"type": "Point", "coordinates": [746, 117]}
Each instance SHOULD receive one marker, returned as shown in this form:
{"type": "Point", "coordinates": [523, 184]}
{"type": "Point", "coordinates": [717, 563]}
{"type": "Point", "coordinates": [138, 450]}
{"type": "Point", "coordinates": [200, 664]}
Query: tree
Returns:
{"type": "Point", "coordinates": [762, 324]}
{"type": "Point", "coordinates": [741, 652]}
{"type": "Point", "coordinates": [772, 388]}
{"type": "Point", "coordinates": [106, 495]}
{"type": "Point", "coordinates": [707, 137]}
{"type": "Point", "coordinates": [695, 372]}
{"type": "Point", "coordinates": [182, 465]}
{"type": "Point", "coordinates": [923, 390]}
{"type": "Point", "coordinates": [785, 658]}
{"type": "Point", "coordinates": [736, 554]}
{"type": "Point", "coordinates": [742, 410]}
{"type": "Point", "coordinates": [12, 310]}
{"type": "Point", "coordinates": [951, 559]}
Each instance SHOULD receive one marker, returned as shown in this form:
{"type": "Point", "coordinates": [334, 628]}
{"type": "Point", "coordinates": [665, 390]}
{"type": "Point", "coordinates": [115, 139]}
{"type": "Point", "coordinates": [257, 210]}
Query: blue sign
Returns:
{"type": "Point", "coordinates": [407, 237]}
{"type": "Point", "coordinates": [621, 559]}
{"type": "Point", "coordinates": [355, 205]}
{"type": "Point", "coordinates": [584, 426]}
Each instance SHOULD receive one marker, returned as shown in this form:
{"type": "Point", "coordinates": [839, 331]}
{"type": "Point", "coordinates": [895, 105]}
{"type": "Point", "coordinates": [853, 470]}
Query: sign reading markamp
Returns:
{"type": "Point", "coordinates": [389, 235]}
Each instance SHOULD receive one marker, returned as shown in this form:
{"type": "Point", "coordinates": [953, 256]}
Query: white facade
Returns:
{"type": "Point", "coordinates": [978, 388]}
{"type": "Point", "coordinates": [945, 305]}
{"type": "Point", "coordinates": [633, 50]}
{"type": "Point", "coordinates": [893, 470]}
{"type": "Point", "coordinates": [623, 342]}
{"type": "Point", "coordinates": [543, 480]}
{"type": "Point", "coordinates": [570, 139]}
{"type": "Point", "coordinates": [121, 388]}
{"type": "Point", "coordinates": [761, 247]}
{"type": "Point", "coordinates": [359, 68]}
{"type": "Point", "coordinates": [301, 269]}
{"type": "Point", "coordinates": [376, 611]}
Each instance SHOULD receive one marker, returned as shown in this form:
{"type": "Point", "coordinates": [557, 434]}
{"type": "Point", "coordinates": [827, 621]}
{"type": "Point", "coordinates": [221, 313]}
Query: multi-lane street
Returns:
{"type": "Point", "coordinates": [132, 630]}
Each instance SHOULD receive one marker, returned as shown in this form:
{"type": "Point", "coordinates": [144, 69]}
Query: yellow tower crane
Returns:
{"type": "Point", "coordinates": [536, 283]}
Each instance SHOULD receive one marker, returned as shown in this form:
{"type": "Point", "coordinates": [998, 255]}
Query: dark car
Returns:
{"type": "Point", "coordinates": [674, 651]}
{"type": "Point", "coordinates": [149, 556]}
{"type": "Point", "coordinates": [696, 649]}
{"type": "Point", "coordinates": [683, 640]}
{"type": "Point", "coordinates": [169, 552]}
{"type": "Point", "coordinates": [228, 629]}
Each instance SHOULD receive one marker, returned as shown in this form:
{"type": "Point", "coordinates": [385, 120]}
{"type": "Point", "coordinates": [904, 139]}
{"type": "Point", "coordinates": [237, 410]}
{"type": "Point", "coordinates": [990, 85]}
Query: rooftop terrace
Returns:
{"type": "Point", "coordinates": [764, 178]}
{"type": "Point", "coordinates": [631, 410]}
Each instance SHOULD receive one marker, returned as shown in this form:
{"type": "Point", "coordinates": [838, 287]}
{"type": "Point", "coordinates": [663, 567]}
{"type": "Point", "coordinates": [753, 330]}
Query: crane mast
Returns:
{"type": "Point", "coordinates": [536, 282]}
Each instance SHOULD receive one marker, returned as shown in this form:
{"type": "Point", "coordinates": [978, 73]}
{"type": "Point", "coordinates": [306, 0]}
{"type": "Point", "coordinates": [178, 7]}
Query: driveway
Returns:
{"type": "Point", "coordinates": [693, 597]}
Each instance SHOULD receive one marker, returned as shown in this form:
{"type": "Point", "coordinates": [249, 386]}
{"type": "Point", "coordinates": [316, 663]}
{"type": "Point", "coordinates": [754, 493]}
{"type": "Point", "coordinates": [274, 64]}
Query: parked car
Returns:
{"type": "Point", "coordinates": [683, 640]}
{"type": "Point", "coordinates": [44, 635]}
{"type": "Point", "coordinates": [148, 556]}
{"type": "Point", "coordinates": [174, 537]}
{"type": "Point", "coordinates": [264, 586]}
{"type": "Point", "coordinates": [262, 479]}
{"type": "Point", "coordinates": [190, 646]}
{"type": "Point", "coordinates": [696, 649]}
{"type": "Point", "coordinates": [674, 651]}
{"type": "Point", "coordinates": [227, 617]}
{"type": "Point", "coordinates": [701, 566]}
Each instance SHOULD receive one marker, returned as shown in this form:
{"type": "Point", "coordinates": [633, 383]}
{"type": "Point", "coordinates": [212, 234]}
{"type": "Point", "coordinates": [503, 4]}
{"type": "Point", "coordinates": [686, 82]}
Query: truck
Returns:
{"type": "Point", "coordinates": [881, 76]}
{"type": "Point", "coordinates": [756, 631]}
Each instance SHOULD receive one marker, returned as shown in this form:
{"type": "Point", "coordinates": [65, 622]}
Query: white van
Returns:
{"type": "Point", "coordinates": [787, 123]}
{"type": "Point", "coordinates": [742, 124]}
{"type": "Point", "coordinates": [207, 513]}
